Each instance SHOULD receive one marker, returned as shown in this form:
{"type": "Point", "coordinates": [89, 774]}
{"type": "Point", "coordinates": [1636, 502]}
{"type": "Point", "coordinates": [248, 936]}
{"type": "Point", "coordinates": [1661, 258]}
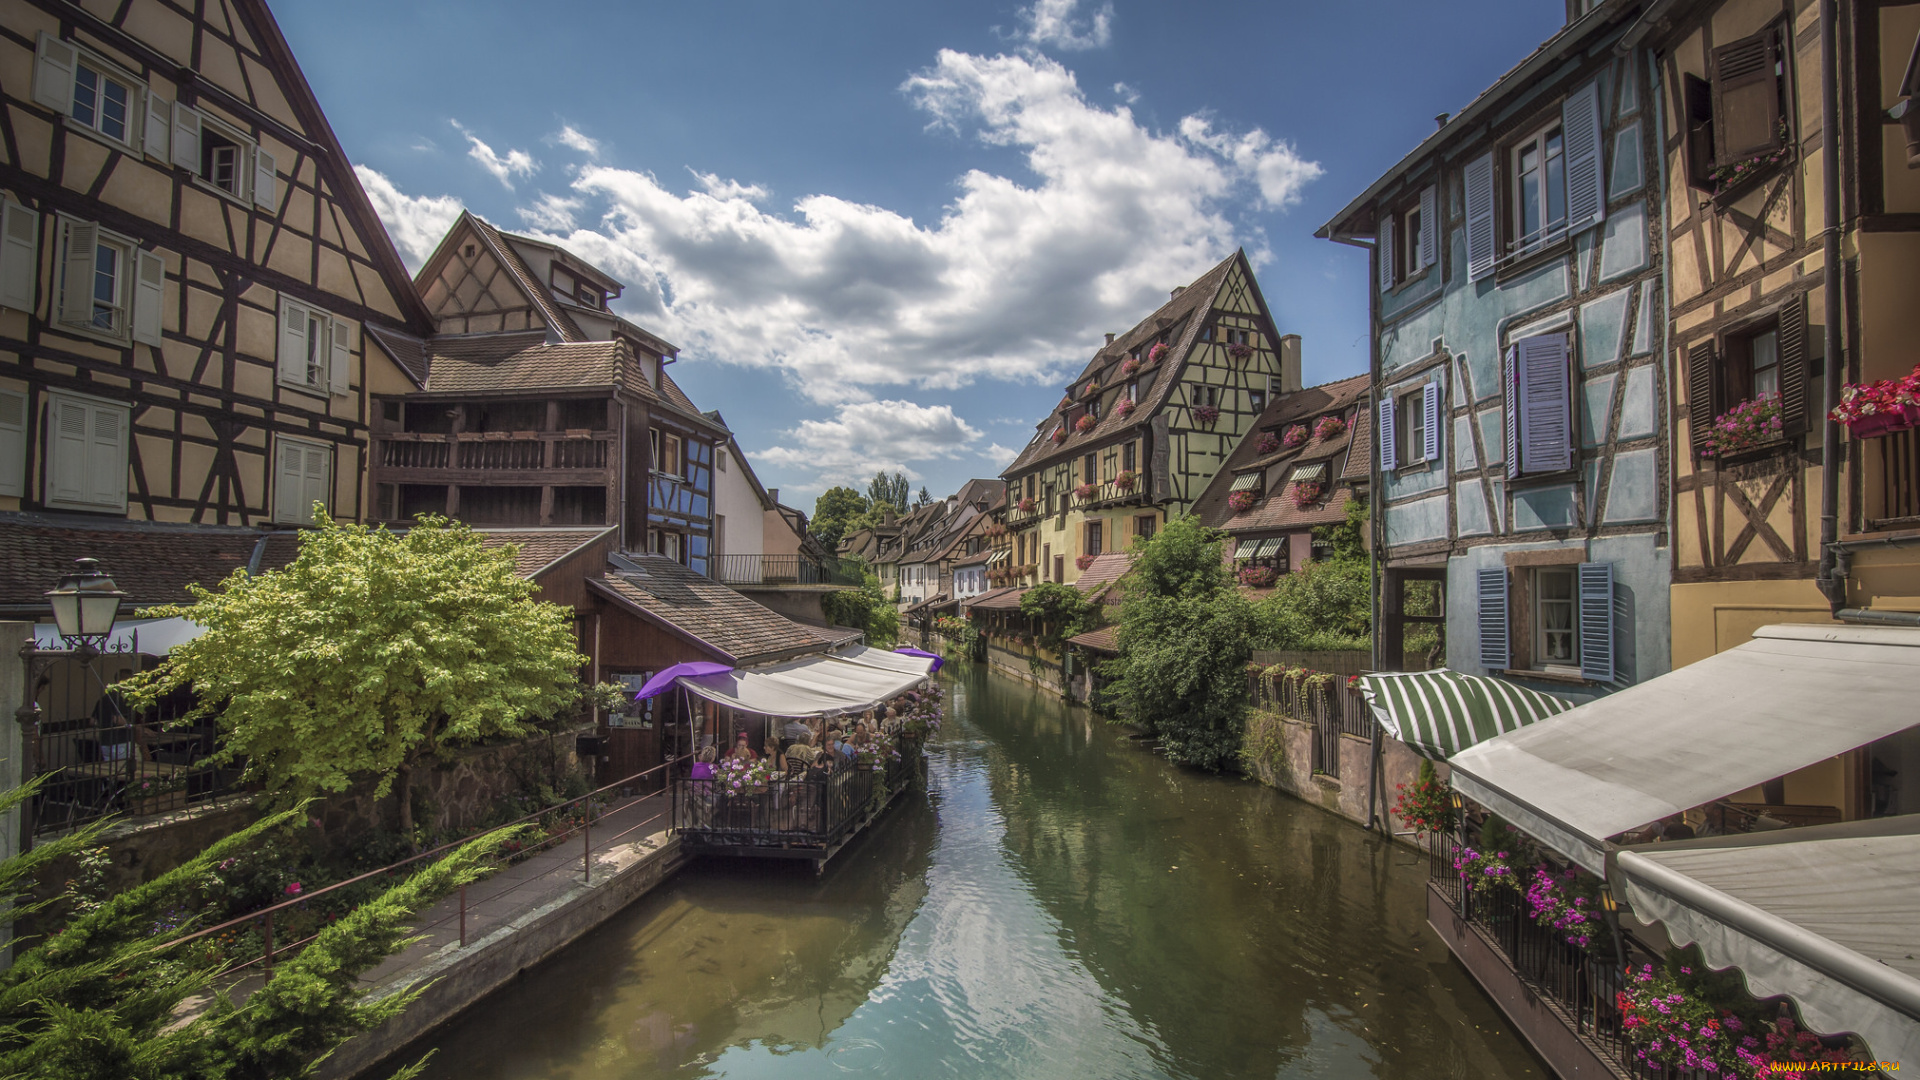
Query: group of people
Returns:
{"type": "Point", "coordinates": [795, 751]}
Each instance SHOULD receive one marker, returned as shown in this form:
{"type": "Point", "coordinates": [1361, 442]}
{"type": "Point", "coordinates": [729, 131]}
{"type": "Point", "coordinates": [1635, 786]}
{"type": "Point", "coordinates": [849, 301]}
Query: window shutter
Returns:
{"type": "Point", "coordinates": [19, 256]}
{"type": "Point", "coordinates": [13, 443]}
{"type": "Point", "coordinates": [1494, 651]}
{"type": "Point", "coordinates": [293, 342]}
{"type": "Point", "coordinates": [149, 296]}
{"type": "Point", "coordinates": [67, 452]}
{"type": "Point", "coordinates": [266, 184]}
{"type": "Point", "coordinates": [1586, 187]}
{"type": "Point", "coordinates": [1793, 367]}
{"type": "Point", "coordinates": [1546, 414]}
{"type": "Point", "coordinates": [106, 457]}
{"type": "Point", "coordinates": [76, 285]}
{"type": "Point", "coordinates": [318, 475]}
{"type": "Point", "coordinates": [340, 357]}
{"type": "Point", "coordinates": [1389, 438]}
{"type": "Point", "coordinates": [1385, 250]}
{"type": "Point", "coordinates": [1702, 360]}
{"type": "Point", "coordinates": [1430, 421]}
{"type": "Point", "coordinates": [1596, 621]}
{"type": "Point", "coordinates": [288, 487]}
{"type": "Point", "coordinates": [186, 138]}
{"type": "Point", "coordinates": [1429, 226]}
{"type": "Point", "coordinates": [53, 73]}
{"type": "Point", "coordinates": [1510, 380]}
{"type": "Point", "coordinates": [1698, 100]}
{"type": "Point", "coordinates": [1746, 99]}
{"type": "Point", "coordinates": [159, 127]}
{"type": "Point", "coordinates": [1477, 180]}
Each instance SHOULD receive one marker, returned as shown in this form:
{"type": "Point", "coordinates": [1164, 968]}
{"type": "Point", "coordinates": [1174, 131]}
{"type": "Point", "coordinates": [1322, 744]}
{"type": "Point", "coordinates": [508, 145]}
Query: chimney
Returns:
{"type": "Point", "coordinates": [1109, 337]}
{"type": "Point", "coordinates": [773, 495]}
{"type": "Point", "coordinates": [1440, 121]}
{"type": "Point", "coordinates": [1177, 290]}
{"type": "Point", "coordinates": [1289, 363]}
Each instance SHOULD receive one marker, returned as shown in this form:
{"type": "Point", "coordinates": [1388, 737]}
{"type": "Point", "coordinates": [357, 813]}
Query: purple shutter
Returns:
{"type": "Point", "coordinates": [1477, 182]}
{"type": "Point", "coordinates": [1430, 421]}
{"type": "Point", "coordinates": [1546, 413]}
{"type": "Point", "coordinates": [1510, 382]}
{"type": "Point", "coordinates": [1494, 652]}
{"type": "Point", "coordinates": [1596, 621]}
{"type": "Point", "coordinates": [1389, 439]}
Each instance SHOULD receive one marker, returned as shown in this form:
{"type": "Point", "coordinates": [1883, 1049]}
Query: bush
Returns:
{"type": "Point", "coordinates": [1323, 605]}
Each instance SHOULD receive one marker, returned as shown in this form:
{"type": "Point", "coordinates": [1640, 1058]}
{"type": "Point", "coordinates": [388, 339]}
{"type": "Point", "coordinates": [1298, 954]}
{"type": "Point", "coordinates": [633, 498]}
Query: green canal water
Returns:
{"type": "Point", "coordinates": [1061, 903]}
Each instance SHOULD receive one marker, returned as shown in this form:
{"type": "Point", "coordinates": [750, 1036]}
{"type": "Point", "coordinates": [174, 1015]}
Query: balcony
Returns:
{"type": "Point", "coordinates": [574, 456]}
{"type": "Point", "coordinates": [1112, 494]}
{"type": "Point", "coordinates": [1892, 489]}
{"type": "Point", "coordinates": [748, 572]}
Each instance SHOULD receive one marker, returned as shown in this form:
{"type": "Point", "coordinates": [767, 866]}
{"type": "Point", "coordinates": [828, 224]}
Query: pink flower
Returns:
{"type": "Point", "coordinates": [293, 889]}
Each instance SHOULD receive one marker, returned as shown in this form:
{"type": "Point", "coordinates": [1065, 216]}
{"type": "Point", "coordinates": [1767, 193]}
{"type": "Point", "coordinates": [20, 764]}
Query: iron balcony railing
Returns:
{"type": "Point", "coordinates": [805, 809]}
{"type": "Point", "coordinates": [778, 570]}
{"type": "Point", "coordinates": [1898, 505]}
{"type": "Point", "coordinates": [1331, 706]}
{"type": "Point", "coordinates": [496, 450]}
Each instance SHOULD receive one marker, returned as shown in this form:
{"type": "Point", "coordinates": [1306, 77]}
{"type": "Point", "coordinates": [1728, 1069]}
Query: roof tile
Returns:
{"type": "Point", "coordinates": [736, 627]}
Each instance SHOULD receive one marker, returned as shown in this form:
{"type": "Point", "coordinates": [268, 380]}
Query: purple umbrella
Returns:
{"type": "Point", "coordinates": [665, 679]}
{"type": "Point", "coordinates": [935, 657]}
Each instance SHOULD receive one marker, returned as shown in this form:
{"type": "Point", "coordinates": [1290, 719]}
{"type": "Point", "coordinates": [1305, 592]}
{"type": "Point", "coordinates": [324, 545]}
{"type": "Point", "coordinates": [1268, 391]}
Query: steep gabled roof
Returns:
{"type": "Point", "coordinates": [522, 360]}
{"type": "Point", "coordinates": [705, 612]}
{"type": "Point", "coordinates": [537, 294]}
{"type": "Point", "coordinates": [1276, 510]}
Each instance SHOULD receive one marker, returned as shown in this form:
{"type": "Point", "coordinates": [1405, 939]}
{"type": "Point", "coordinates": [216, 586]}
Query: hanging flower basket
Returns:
{"type": "Point", "coordinates": [1026, 505]}
{"type": "Point", "coordinates": [1123, 408]}
{"type": "Point", "coordinates": [1240, 352]}
{"type": "Point", "coordinates": [1059, 434]}
{"type": "Point", "coordinates": [1328, 427]}
{"type": "Point", "coordinates": [1873, 409]}
{"type": "Point", "coordinates": [1295, 437]}
{"type": "Point", "coordinates": [1256, 577]}
{"type": "Point", "coordinates": [1206, 414]}
{"type": "Point", "coordinates": [1267, 443]}
{"type": "Point", "coordinates": [1307, 492]}
{"type": "Point", "coordinates": [1083, 492]}
{"type": "Point", "coordinates": [1126, 480]}
{"type": "Point", "coordinates": [1157, 353]}
{"type": "Point", "coordinates": [1085, 561]}
{"type": "Point", "coordinates": [1129, 368]}
{"type": "Point", "coordinates": [1747, 426]}
{"type": "Point", "coordinates": [1085, 424]}
{"type": "Point", "coordinates": [1241, 501]}
{"type": "Point", "coordinates": [1092, 388]}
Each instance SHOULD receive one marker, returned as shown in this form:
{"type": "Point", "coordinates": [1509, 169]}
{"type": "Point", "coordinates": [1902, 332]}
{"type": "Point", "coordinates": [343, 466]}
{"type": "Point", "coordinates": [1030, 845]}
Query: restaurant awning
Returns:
{"type": "Point", "coordinates": [1792, 696]}
{"type": "Point", "coordinates": [1828, 916]}
{"type": "Point", "coordinates": [1245, 483]}
{"type": "Point", "coordinates": [806, 687]}
{"type": "Point", "coordinates": [1246, 549]}
{"type": "Point", "coordinates": [1440, 713]}
{"type": "Point", "coordinates": [914, 663]}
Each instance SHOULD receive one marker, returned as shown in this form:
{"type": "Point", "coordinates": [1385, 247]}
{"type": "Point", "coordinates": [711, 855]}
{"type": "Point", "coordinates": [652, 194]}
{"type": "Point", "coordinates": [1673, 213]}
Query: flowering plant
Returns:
{"type": "Point", "coordinates": [1085, 561]}
{"type": "Point", "coordinates": [1158, 351]}
{"type": "Point", "coordinates": [1428, 804]}
{"type": "Point", "coordinates": [1085, 423]}
{"type": "Point", "coordinates": [1880, 408]}
{"type": "Point", "coordinates": [1266, 444]}
{"type": "Point", "coordinates": [738, 776]}
{"type": "Point", "coordinates": [1328, 426]}
{"type": "Point", "coordinates": [1669, 1028]}
{"type": "Point", "coordinates": [1126, 479]}
{"type": "Point", "coordinates": [1206, 414]}
{"type": "Point", "coordinates": [1123, 408]}
{"type": "Point", "coordinates": [1060, 434]}
{"type": "Point", "coordinates": [1744, 427]}
{"type": "Point", "coordinates": [1735, 171]}
{"type": "Point", "coordinates": [1307, 492]}
{"type": "Point", "coordinates": [1083, 492]}
{"type": "Point", "coordinates": [1295, 436]}
{"type": "Point", "coordinates": [1027, 505]}
{"type": "Point", "coordinates": [1092, 388]}
{"type": "Point", "coordinates": [1551, 902]}
{"type": "Point", "coordinates": [1478, 871]}
{"type": "Point", "coordinates": [1240, 501]}
{"type": "Point", "coordinates": [1353, 683]}
{"type": "Point", "coordinates": [1239, 352]}
{"type": "Point", "coordinates": [1129, 367]}
{"type": "Point", "coordinates": [1256, 577]}
{"type": "Point", "coordinates": [923, 714]}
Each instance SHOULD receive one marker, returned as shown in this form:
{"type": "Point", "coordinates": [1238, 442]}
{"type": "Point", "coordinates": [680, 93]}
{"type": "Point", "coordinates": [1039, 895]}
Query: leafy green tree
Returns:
{"type": "Point", "coordinates": [1062, 611]}
{"type": "Point", "coordinates": [865, 608]}
{"type": "Point", "coordinates": [834, 514]}
{"type": "Point", "coordinates": [369, 653]}
{"type": "Point", "coordinates": [884, 490]}
{"type": "Point", "coordinates": [1326, 604]}
{"type": "Point", "coordinates": [1185, 639]}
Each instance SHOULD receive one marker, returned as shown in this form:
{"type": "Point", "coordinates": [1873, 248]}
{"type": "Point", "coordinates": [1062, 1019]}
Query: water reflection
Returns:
{"type": "Point", "coordinates": [1063, 904]}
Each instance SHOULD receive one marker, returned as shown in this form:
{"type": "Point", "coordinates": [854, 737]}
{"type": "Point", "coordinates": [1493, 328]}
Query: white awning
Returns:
{"type": "Point", "coordinates": [153, 637]}
{"type": "Point", "coordinates": [1246, 549]}
{"type": "Point", "coordinates": [1793, 696]}
{"type": "Point", "coordinates": [900, 663]}
{"type": "Point", "coordinates": [1440, 713]}
{"type": "Point", "coordinates": [1245, 483]}
{"type": "Point", "coordinates": [1269, 547]}
{"type": "Point", "coordinates": [1000, 556]}
{"type": "Point", "coordinates": [1828, 916]}
{"type": "Point", "coordinates": [809, 686]}
{"type": "Point", "coordinates": [1308, 472]}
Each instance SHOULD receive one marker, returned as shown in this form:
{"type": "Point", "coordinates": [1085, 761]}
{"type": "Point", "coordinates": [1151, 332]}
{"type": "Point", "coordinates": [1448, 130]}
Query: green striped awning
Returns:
{"type": "Point", "coordinates": [1269, 547]}
{"type": "Point", "coordinates": [1246, 549]}
{"type": "Point", "coordinates": [1440, 713]}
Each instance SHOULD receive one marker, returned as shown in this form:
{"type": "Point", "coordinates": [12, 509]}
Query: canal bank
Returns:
{"type": "Point", "coordinates": [1062, 903]}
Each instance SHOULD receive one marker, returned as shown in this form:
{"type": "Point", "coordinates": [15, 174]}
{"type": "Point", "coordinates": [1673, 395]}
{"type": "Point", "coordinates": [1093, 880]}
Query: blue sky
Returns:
{"type": "Point", "coordinates": [884, 234]}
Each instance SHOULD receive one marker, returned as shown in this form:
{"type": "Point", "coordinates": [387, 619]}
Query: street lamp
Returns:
{"type": "Point", "coordinates": [85, 605]}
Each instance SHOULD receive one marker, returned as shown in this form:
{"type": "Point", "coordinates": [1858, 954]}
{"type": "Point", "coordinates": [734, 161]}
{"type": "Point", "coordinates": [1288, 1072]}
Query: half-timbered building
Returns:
{"type": "Point", "coordinates": [1146, 424]}
{"type": "Point", "coordinates": [1517, 331]}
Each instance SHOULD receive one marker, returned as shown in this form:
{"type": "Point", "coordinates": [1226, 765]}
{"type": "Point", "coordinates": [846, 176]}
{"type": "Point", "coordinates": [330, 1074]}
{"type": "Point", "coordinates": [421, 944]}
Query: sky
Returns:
{"type": "Point", "coordinates": [885, 234]}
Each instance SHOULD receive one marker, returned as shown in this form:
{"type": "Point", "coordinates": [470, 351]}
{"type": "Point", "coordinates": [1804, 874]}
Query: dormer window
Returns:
{"type": "Point", "coordinates": [589, 296]}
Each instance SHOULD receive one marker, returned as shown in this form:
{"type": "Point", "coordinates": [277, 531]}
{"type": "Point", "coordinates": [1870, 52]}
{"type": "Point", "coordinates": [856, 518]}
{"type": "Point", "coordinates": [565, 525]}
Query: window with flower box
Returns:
{"type": "Point", "coordinates": [1747, 386]}
{"type": "Point", "coordinates": [1737, 126]}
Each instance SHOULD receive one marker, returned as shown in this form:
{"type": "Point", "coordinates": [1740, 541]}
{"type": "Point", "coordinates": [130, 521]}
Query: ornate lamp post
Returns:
{"type": "Point", "coordinates": [85, 605]}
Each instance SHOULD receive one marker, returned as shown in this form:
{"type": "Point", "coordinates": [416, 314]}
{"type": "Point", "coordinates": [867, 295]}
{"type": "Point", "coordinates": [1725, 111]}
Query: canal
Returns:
{"type": "Point", "coordinates": [1062, 903]}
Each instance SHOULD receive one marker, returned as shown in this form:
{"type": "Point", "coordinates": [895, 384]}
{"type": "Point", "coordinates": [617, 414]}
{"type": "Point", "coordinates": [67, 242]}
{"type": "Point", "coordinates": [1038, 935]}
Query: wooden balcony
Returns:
{"type": "Point", "coordinates": [578, 456]}
{"type": "Point", "coordinates": [1113, 494]}
{"type": "Point", "coordinates": [1892, 488]}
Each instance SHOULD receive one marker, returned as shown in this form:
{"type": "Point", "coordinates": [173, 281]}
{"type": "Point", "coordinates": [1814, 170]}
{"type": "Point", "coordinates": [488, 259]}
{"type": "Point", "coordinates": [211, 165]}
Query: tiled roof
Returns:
{"type": "Point", "coordinates": [939, 600]}
{"type": "Point", "coordinates": [1106, 640]}
{"type": "Point", "coordinates": [524, 361]}
{"type": "Point", "coordinates": [1007, 599]}
{"type": "Point", "coordinates": [1196, 297]}
{"type": "Point", "coordinates": [153, 563]}
{"type": "Point", "coordinates": [1276, 510]}
{"type": "Point", "coordinates": [835, 636]}
{"type": "Point", "coordinates": [1360, 441]}
{"type": "Point", "coordinates": [409, 352]}
{"type": "Point", "coordinates": [540, 548]}
{"type": "Point", "coordinates": [556, 317]}
{"type": "Point", "coordinates": [1102, 571]}
{"type": "Point", "coordinates": [734, 627]}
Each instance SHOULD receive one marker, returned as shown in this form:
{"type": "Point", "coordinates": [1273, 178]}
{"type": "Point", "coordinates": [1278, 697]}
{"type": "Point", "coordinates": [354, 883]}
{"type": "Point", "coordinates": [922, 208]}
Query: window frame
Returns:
{"type": "Point", "coordinates": [1410, 420]}
{"type": "Point", "coordinates": [320, 350]}
{"type": "Point", "coordinates": [1093, 537]}
{"type": "Point", "coordinates": [246, 154]}
{"type": "Point", "coordinates": [1518, 246]}
{"type": "Point", "coordinates": [1144, 526]}
{"type": "Point", "coordinates": [127, 253]}
{"type": "Point", "coordinates": [108, 71]}
{"type": "Point", "coordinates": [50, 448]}
{"type": "Point", "coordinates": [1537, 600]}
{"type": "Point", "coordinates": [279, 477]}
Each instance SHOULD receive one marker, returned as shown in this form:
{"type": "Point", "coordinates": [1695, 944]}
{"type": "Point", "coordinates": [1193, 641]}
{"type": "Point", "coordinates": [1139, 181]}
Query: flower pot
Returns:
{"type": "Point", "coordinates": [1878, 424]}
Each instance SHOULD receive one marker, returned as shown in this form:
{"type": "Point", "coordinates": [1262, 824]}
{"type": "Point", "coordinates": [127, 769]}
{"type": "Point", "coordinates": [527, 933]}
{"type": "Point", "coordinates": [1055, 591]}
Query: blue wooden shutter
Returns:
{"type": "Point", "coordinates": [1389, 450]}
{"type": "Point", "coordinates": [1493, 619]}
{"type": "Point", "coordinates": [1430, 421]}
{"type": "Point", "coordinates": [1385, 250]}
{"type": "Point", "coordinates": [1477, 180]}
{"type": "Point", "coordinates": [1596, 621]}
{"type": "Point", "coordinates": [1586, 187]}
{"type": "Point", "coordinates": [1546, 411]}
{"type": "Point", "coordinates": [1429, 226]}
{"type": "Point", "coordinates": [1510, 383]}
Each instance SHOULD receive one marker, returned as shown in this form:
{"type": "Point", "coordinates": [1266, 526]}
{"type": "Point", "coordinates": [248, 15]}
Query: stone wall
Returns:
{"type": "Point", "coordinates": [1291, 770]}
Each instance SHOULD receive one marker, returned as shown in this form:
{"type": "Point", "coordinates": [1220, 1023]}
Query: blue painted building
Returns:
{"type": "Point", "coordinates": [1521, 473]}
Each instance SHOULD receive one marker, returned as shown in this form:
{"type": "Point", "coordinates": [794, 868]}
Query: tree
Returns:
{"type": "Point", "coordinates": [1328, 603]}
{"type": "Point", "coordinates": [865, 608]}
{"type": "Point", "coordinates": [884, 490]}
{"type": "Point", "coordinates": [1184, 644]}
{"type": "Point", "coordinates": [923, 499]}
{"type": "Point", "coordinates": [834, 514]}
{"type": "Point", "coordinates": [369, 653]}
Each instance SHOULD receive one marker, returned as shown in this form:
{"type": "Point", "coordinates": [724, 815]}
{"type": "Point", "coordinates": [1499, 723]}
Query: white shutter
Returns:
{"type": "Point", "coordinates": [158, 141]}
{"type": "Point", "coordinates": [19, 256]}
{"type": "Point", "coordinates": [340, 359]}
{"type": "Point", "coordinates": [186, 138]}
{"type": "Point", "coordinates": [76, 284]}
{"type": "Point", "coordinates": [316, 481]}
{"type": "Point", "coordinates": [1596, 621]}
{"type": "Point", "coordinates": [107, 456]}
{"type": "Point", "coordinates": [149, 296]}
{"type": "Point", "coordinates": [289, 485]}
{"type": "Point", "coordinates": [293, 342]}
{"type": "Point", "coordinates": [67, 452]}
{"type": "Point", "coordinates": [1586, 187]}
{"type": "Point", "coordinates": [1477, 183]}
{"type": "Point", "coordinates": [266, 185]}
{"type": "Point", "coordinates": [1429, 226]}
{"type": "Point", "coordinates": [1510, 384]}
{"type": "Point", "coordinates": [1385, 249]}
{"type": "Point", "coordinates": [1546, 412]}
{"type": "Point", "coordinates": [13, 443]}
{"type": "Point", "coordinates": [1430, 421]}
{"type": "Point", "coordinates": [1494, 649]}
{"type": "Point", "coordinates": [53, 73]}
{"type": "Point", "coordinates": [1389, 452]}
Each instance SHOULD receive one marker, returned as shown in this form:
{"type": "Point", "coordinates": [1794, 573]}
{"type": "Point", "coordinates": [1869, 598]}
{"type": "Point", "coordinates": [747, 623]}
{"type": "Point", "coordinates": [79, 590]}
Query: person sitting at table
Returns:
{"type": "Point", "coordinates": [793, 730]}
{"type": "Point", "coordinates": [703, 765]}
{"type": "Point", "coordinates": [742, 750]}
{"type": "Point", "coordinates": [802, 753]}
{"type": "Point", "coordinates": [837, 737]}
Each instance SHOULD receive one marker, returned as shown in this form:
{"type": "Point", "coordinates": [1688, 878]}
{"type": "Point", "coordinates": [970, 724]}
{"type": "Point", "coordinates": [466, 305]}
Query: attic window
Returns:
{"type": "Point", "coordinates": [1307, 473]}
{"type": "Point", "coordinates": [1245, 483]}
{"type": "Point", "coordinates": [468, 251]}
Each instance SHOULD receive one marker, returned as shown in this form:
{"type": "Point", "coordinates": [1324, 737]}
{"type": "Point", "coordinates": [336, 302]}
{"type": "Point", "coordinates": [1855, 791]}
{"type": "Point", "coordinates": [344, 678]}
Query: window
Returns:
{"type": "Point", "coordinates": [1767, 356]}
{"type": "Point", "coordinates": [1538, 165]}
{"type": "Point", "coordinates": [1095, 530]}
{"type": "Point", "coordinates": [1090, 469]}
{"type": "Point", "coordinates": [13, 443]}
{"type": "Point", "coordinates": [1565, 613]}
{"type": "Point", "coordinates": [1411, 420]}
{"type": "Point", "coordinates": [1412, 436]}
{"type": "Point", "coordinates": [303, 476]}
{"type": "Point", "coordinates": [222, 157]}
{"type": "Point", "coordinates": [220, 161]}
{"type": "Point", "coordinates": [720, 460]}
{"type": "Point", "coordinates": [664, 542]}
{"type": "Point", "coordinates": [1046, 561]}
{"type": "Point", "coordinates": [1030, 482]}
{"type": "Point", "coordinates": [108, 286]}
{"type": "Point", "coordinates": [1143, 526]}
{"type": "Point", "coordinates": [93, 94]}
{"type": "Point", "coordinates": [1239, 337]}
{"type": "Point", "coordinates": [1409, 239]}
{"type": "Point", "coordinates": [1127, 453]}
{"type": "Point", "coordinates": [87, 453]}
{"type": "Point", "coordinates": [316, 349]}
{"type": "Point", "coordinates": [669, 454]}
{"type": "Point", "coordinates": [1557, 635]}
{"type": "Point", "coordinates": [1548, 186]}
{"type": "Point", "coordinates": [719, 534]}
{"type": "Point", "coordinates": [1538, 380]}
{"type": "Point", "coordinates": [1256, 400]}
{"type": "Point", "coordinates": [1737, 114]}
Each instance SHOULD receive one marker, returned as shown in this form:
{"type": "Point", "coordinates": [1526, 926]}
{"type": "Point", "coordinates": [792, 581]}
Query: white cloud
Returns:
{"type": "Point", "coordinates": [1125, 93]}
{"type": "Point", "coordinates": [1055, 22]}
{"type": "Point", "coordinates": [870, 436]}
{"type": "Point", "coordinates": [1273, 163]}
{"type": "Point", "coordinates": [1001, 456]}
{"type": "Point", "coordinates": [572, 138]}
{"type": "Point", "coordinates": [552, 213]}
{"type": "Point", "coordinates": [416, 223]}
{"type": "Point", "coordinates": [504, 168]}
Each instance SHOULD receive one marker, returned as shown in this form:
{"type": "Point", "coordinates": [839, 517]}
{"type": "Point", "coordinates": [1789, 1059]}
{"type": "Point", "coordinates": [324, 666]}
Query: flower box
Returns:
{"type": "Point", "coordinates": [1085, 424]}
{"type": "Point", "coordinates": [1256, 577]}
{"type": "Point", "coordinates": [1083, 492]}
{"type": "Point", "coordinates": [1750, 425]}
{"type": "Point", "coordinates": [1307, 492]}
{"type": "Point", "coordinates": [1295, 437]}
{"type": "Point", "coordinates": [1206, 414]}
{"type": "Point", "coordinates": [1328, 427]}
{"type": "Point", "coordinates": [1059, 434]}
{"type": "Point", "coordinates": [1877, 425]}
{"type": "Point", "coordinates": [1157, 353]}
{"type": "Point", "coordinates": [1085, 561]}
{"type": "Point", "coordinates": [1123, 408]}
{"type": "Point", "coordinates": [1129, 367]}
{"type": "Point", "coordinates": [1241, 501]}
{"type": "Point", "coordinates": [1267, 443]}
{"type": "Point", "coordinates": [1240, 352]}
{"type": "Point", "coordinates": [1871, 410]}
{"type": "Point", "coordinates": [1092, 388]}
{"type": "Point", "coordinates": [1126, 480]}
{"type": "Point", "coordinates": [1027, 505]}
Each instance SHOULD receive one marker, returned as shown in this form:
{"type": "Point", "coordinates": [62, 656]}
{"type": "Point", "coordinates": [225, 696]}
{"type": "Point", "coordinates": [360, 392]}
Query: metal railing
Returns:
{"type": "Point", "coordinates": [1899, 502]}
{"type": "Point", "coordinates": [775, 570]}
{"type": "Point", "coordinates": [496, 450]}
{"type": "Point", "coordinates": [1113, 492]}
{"type": "Point", "coordinates": [1331, 706]}
{"type": "Point", "coordinates": [812, 809]}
